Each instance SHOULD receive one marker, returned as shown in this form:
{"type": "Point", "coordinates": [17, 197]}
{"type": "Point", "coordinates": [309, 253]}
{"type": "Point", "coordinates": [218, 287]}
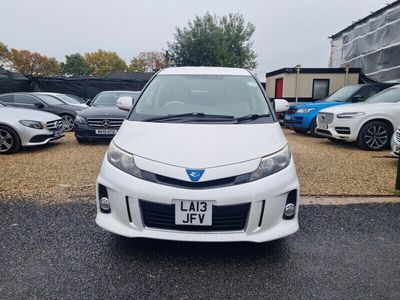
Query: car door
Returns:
{"type": "Point", "coordinates": [27, 101]}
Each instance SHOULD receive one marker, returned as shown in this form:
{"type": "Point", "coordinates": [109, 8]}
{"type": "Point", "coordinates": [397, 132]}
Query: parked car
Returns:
{"type": "Point", "coordinates": [396, 143]}
{"type": "Point", "coordinates": [302, 118]}
{"type": "Point", "coordinates": [103, 118]}
{"type": "Point", "coordinates": [201, 157]}
{"type": "Point", "coordinates": [67, 99]}
{"type": "Point", "coordinates": [45, 103]}
{"type": "Point", "coordinates": [23, 127]}
{"type": "Point", "coordinates": [370, 124]}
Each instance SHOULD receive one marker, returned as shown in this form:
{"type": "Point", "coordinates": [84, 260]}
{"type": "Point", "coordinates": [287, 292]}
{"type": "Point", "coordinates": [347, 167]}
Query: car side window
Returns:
{"type": "Point", "coordinates": [25, 99]}
{"type": "Point", "coordinates": [369, 91]}
{"type": "Point", "coordinates": [7, 99]}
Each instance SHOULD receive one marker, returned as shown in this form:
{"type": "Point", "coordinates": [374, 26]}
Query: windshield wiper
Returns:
{"type": "Point", "coordinates": [193, 114]}
{"type": "Point", "coordinates": [251, 117]}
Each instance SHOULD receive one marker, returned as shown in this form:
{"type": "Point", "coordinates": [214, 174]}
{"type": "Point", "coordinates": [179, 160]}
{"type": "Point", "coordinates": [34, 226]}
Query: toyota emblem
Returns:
{"type": "Point", "coordinates": [106, 123]}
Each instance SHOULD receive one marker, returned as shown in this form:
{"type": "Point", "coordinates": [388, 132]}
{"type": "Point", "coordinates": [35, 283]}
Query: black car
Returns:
{"type": "Point", "coordinates": [43, 102]}
{"type": "Point", "coordinates": [103, 118]}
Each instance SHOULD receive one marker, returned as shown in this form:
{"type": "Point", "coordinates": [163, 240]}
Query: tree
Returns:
{"type": "Point", "coordinates": [137, 65]}
{"type": "Point", "coordinates": [3, 55]}
{"type": "Point", "coordinates": [214, 41]}
{"type": "Point", "coordinates": [33, 63]}
{"type": "Point", "coordinates": [75, 65]}
{"type": "Point", "coordinates": [103, 62]}
{"type": "Point", "coordinates": [148, 62]}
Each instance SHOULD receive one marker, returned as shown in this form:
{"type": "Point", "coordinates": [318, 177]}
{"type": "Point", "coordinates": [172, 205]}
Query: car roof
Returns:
{"type": "Point", "coordinates": [205, 71]}
{"type": "Point", "coordinates": [111, 92]}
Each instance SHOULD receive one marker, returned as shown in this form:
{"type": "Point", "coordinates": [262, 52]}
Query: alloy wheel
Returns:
{"type": "Point", "coordinates": [6, 140]}
{"type": "Point", "coordinates": [68, 123]}
{"type": "Point", "coordinates": [376, 137]}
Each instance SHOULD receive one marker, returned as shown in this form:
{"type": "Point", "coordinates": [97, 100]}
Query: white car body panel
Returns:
{"type": "Point", "coordinates": [373, 111]}
{"type": "Point", "coordinates": [10, 116]}
{"type": "Point", "coordinates": [395, 143]}
{"type": "Point", "coordinates": [222, 151]}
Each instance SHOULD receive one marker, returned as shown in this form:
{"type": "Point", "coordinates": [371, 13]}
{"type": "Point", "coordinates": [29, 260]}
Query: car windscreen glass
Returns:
{"type": "Point", "coordinates": [388, 95]}
{"type": "Point", "coordinates": [109, 99]}
{"type": "Point", "coordinates": [343, 94]}
{"type": "Point", "coordinates": [68, 99]}
{"type": "Point", "coordinates": [216, 96]}
{"type": "Point", "coordinates": [49, 100]}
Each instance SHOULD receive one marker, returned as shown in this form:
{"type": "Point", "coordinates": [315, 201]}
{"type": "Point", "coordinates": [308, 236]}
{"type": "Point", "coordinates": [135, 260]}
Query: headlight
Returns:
{"type": "Point", "coordinates": [304, 110]}
{"type": "Point", "coordinates": [80, 120]}
{"type": "Point", "coordinates": [350, 115]}
{"type": "Point", "coordinates": [31, 124]}
{"type": "Point", "coordinates": [123, 161]}
{"type": "Point", "coordinates": [272, 164]}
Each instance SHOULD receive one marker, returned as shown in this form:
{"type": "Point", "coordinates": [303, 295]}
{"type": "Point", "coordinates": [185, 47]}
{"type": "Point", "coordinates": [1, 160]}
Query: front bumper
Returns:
{"type": "Point", "coordinates": [35, 137]}
{"type": "Point", "coordinates": [298, 121]}
{"type": "Point", "coordinates": [345, 130]}
{"type": "Point", "coordinates": [395, 145]}
{"type": "Point", "coordinates": [86, 132]}
{"type": "Point", "coordinates": [124, 192]}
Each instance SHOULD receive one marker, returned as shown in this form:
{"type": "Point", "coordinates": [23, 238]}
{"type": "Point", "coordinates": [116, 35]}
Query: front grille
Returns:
{"type": "Point", "coordinates": [224, 218]}
{"type": "Point", "coordinates": [296, 120]}
{"type": "Point", "coordinates": [398, 135]}
{"type": "Point", "coordinates": [105, 123]}
{"type": "Point", "coordinates": [325, 118]}
{"type": "Point", "coordinates": [291, 110]}
{"type": "Point", "coordinates": [343, 130]}
{"type": "Point", "coordinates": [55, 125]}
{"type": "Point", "coordinates": [221, 182]}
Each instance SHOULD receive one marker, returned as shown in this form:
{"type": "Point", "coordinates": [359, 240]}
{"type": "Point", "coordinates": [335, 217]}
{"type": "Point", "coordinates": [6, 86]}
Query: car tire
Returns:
{"type": "Point", "coordinates": [81, 140]}
{"type": "Point", "coordinates": [68, 122]}
{"type": "Point", "coordinates": [313, 128]}
{"type": "Point", "coordinates": [374, 136]}
{"type": "Point", "coordinates": [9, 140]}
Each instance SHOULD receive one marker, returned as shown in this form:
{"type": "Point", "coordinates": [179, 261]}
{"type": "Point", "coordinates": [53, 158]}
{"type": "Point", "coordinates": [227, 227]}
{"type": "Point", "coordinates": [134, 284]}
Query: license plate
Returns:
{"type": "Point", "coordinates": [193, 212]}
{"type": "Point", "coordinates": [287, 118]}
{"type": "Point", "coordinates": [58, 133]}
{"type": "Point", "coordinates": [106, 131]}
{"type": "Point", "coordinates": [323, 126]}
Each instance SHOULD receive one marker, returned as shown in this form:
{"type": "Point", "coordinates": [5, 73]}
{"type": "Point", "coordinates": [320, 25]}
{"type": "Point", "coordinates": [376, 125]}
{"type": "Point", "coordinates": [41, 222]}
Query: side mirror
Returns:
{"type": "Point", "coordinates": [281, 105]}
{"type": "Point", "coordinates": [357, 98]}
{"type": "Point", "coordinates": [39, 105]}
{"type": "Point", "coordinates": [125, 103]}
{"type": "Point", "coordinates": [89, 102]}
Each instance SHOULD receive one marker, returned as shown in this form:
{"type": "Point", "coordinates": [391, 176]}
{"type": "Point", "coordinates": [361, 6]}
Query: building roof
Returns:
{"type": "Point", "coordinates": [379, 11]}
{"type": "Point", "coordinates": [313, 71]}
{"type": "Point", "coordinates": [205, 71]}
{"type": "Point", "coordinates": [137, 76]}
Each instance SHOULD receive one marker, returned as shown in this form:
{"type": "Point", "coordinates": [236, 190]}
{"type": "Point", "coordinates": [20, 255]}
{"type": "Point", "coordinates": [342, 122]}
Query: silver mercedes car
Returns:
{"type": "Point", "coordinates": [21, 127]}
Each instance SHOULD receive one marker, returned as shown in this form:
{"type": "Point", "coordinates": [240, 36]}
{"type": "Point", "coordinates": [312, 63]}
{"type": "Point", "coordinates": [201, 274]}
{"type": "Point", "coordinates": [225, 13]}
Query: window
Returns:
{"type": "Point", "coordinates": [7, 99]}
{"type": "Point", "coordinates": [320, 89]}
{"type": "Point", "coordinates": [25, 99]}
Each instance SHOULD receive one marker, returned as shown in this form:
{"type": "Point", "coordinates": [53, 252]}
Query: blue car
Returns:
{"type": "Point", "coordinates": [302, 117]}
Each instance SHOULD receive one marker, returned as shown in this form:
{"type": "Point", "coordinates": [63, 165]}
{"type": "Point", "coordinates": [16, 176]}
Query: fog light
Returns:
{"type": "Point", "coordinates": [105, 204]}
{"type": "Point", "coordinates": [290, 209]}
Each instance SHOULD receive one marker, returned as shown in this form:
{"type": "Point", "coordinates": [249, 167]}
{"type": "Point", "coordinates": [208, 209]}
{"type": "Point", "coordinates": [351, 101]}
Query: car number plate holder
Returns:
{"type": "Point", "coordinates": [106, 131]}
{"type": "Point", "coordinates": [191, 212]}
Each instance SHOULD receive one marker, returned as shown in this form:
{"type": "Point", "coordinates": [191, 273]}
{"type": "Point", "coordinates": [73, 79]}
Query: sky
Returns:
{"type": "Point", "coordinates": [288, 32]}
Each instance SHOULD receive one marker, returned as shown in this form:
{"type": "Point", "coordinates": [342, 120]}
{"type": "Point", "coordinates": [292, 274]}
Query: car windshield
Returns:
{"type": "Point", "coordinates": [343, 94]}
{"type": "Point", "coordinates": [389, 95]}
{"type": "Point", "coordinates": [77, 98]}
{"type": "Point", "coordinates": [49, 100]}
{"type": "Point", "coordinates": [68, 99]}
{"type": "Point", "coordinates": [110, 99]}
{"type": "Point", "coordinates": [216, 96]}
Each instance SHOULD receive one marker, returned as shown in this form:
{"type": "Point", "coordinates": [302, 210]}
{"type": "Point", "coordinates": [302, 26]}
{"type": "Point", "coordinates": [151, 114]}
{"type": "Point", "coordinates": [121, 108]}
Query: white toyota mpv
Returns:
{"type": "Point", "coordinates": [200, 157]}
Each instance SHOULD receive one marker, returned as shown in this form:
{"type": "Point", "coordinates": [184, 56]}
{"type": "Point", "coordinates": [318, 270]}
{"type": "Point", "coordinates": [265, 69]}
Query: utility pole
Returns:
{"type": "Point", "coordinates": [298, 67]}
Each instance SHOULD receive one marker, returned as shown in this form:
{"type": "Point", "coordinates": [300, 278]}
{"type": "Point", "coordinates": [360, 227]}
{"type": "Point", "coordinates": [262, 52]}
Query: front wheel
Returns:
{"type": "Point", "coordinates": [68, 122]}
{"type": "Point", "coordinates": [313, 128]}
{"type": "Point", "coordinates": [374, 136]}
{"type": "Point", "coordinates": [9, 140]}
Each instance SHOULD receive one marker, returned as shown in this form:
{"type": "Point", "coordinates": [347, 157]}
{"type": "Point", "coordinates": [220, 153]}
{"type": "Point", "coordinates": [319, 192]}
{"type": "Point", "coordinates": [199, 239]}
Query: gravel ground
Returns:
{"type": "Point", "coordinates": [65, 170]}
{"type": "Point", "coordinates": [58, 252]}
